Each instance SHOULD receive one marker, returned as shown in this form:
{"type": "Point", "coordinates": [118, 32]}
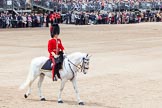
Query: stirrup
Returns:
{"type": "Point", "coordinates": [55, 78]}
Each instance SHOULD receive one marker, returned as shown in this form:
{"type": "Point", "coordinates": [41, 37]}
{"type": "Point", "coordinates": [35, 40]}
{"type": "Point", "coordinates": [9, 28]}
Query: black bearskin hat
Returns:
{"type": "Point", "coordinates": [54, 30]}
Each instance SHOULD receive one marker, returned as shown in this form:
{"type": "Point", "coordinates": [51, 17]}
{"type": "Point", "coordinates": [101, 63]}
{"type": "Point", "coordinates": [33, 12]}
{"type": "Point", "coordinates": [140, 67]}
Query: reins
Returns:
{"type": "Point", "coordinates": [78, 67]}
{"type": "Point", "coordinates": [74, 64]}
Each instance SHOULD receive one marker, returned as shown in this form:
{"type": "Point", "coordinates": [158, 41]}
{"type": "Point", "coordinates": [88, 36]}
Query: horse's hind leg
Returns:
{"type": "Point", "coordinates": [29, 87]}
{"type": "Point", "coordinates": [41, 78]}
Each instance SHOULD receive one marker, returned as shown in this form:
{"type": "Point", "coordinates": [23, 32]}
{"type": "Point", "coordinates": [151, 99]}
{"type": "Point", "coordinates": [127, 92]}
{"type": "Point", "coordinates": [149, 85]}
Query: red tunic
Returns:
{"type": "Point", "coordinates": [58, 15]}
{"type": "Point", "coordinates": [52, 16]}
{"type": "Point", "coordinates": [54, 46]}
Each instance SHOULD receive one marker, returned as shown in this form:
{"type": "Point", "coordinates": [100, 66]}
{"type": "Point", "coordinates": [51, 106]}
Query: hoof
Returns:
{"type": "Point", "coordinates": [60, 101]}
{"type": "Point", "coordinates": [25, 96]}
{"type": "Point", "coordinates": [81, 103]}
{"type": "Point", "coordinates": [43, 99]}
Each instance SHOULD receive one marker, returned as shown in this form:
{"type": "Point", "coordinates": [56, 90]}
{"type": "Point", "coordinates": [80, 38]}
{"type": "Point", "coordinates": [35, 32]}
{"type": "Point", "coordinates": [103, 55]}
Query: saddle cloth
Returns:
{"type": "Point", "coordinates": [58, 65]}
{"type": "Point", "coordinates": [47, 65]}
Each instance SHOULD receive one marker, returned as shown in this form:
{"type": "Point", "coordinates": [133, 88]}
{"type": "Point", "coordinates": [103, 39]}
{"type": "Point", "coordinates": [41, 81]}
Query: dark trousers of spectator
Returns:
{"type": "Point", "coordinates": [3, 24]}
{"type": "Point", "coordinates": [67, 21]}
{"type": "Point", "coordinates": [99, 21]}
{"type": "Point", "coordinates": [24, 25]}
{"type": "Point", "coordinates": [32, 23]}
{"type": "Point", "coordinates": [76, 21]}
{"type": "Point", "coordinates": [47, 23]}
{"type": "Point", "coordinates": [14, 24]}
{"type": "Point", "coordinates": [158, 19]}
{"type": "Point", "coordinates": [20, 24]}
{"type": "Point", "coordinates": [0, 23]}
{"type": "Point", "coordinates": [82, 22]}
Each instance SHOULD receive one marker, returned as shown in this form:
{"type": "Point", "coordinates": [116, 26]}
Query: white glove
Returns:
{"type": "Point", "coordinates": [64, 55]}
{"type": "Point", "coordinates": [56, 56]}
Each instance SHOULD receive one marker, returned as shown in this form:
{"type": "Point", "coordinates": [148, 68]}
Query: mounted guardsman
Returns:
{"type": "Point", "coordinates": [56, 51]}
{"type": "Point", "coordinates": [54, 47]}
{"type": "Point", "coordinates": [72, 64]}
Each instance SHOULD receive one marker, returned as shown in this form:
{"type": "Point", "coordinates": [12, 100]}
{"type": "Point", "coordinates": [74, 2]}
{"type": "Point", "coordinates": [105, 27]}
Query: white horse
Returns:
{"type": "Point", "coordinates": [71, 65]}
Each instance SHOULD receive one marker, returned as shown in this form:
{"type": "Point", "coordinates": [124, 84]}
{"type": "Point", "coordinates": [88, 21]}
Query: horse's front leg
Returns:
{"type": "Point", "coordinates": [63, 81]}
{"type": "Point", "coordinates": [41, 78]}
{"type": "Point", "coordinates": [80, 102]}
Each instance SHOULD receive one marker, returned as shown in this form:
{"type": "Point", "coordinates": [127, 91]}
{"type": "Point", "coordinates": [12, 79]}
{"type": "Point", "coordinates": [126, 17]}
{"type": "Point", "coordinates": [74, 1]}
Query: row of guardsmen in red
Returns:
{"type": "Point", "coordinates": [55, 17]}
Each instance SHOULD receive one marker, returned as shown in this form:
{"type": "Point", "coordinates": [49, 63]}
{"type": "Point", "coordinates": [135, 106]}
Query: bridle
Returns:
{"type": "Point", "coordinates": [83, 66]}
{"type": "Point", "coordinates": [84, 63]}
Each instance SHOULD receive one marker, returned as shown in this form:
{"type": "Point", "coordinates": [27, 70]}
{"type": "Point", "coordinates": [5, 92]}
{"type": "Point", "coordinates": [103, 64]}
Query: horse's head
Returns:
{"type": "Point", "coordinates": [79, 61]}
{"type": "Point", "coordinates": [85, 63]}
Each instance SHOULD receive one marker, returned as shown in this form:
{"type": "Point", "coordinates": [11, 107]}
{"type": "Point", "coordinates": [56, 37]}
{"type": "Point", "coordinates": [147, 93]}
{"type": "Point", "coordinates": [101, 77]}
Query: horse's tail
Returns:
{"type": "Point", "coordinates": [29, 78]}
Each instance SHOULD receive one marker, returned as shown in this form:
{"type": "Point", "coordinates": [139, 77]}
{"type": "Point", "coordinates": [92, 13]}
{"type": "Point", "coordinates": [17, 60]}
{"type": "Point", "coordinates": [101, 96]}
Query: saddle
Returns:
{"type": "Point", "coordinates": [58, 65]}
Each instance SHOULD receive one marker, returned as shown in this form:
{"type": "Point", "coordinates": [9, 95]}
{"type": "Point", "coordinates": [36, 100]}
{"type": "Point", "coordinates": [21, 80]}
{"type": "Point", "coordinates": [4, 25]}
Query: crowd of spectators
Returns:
{"type": "Point", "coordinates": [22, 20]}
{"type": "Point", "coordinates": [78, 14]}
{"type": "Point", "coordinates": [125, 17]}
{"type": "Point", "coordinates": [8, 20]}
{"type": "Point", "coordinates": [78, 18]}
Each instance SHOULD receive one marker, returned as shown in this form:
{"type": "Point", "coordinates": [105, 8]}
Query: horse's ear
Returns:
{"type": "Point", "coordinates": [88, 55]}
